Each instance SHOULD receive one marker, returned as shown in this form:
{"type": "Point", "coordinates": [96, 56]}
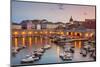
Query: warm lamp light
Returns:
{"type": "Point", "coordinates": [23, 33]}
{"type": "Point", "coordinates": [29, 32]}
{"type": "Point", "coordinates": [50, 32]}
{"type": "Point", "coordinates": [58, 32]}
{"type": "Point", "coordinates": [86, 34]}
{"type": "Point", "coordinates": [40, 32]}
{"type": "Point", "coordinates": [15, 33]}
{"type": "Point", "coordinates": [35, 32]}
{"type": "Point", "coordinates": [67, 33]}
{"type": "Point", "coordinates": [80, 34]}
{"type": "Point", "coordinates": [76, 33]}
{"type": "Point", "coordinates": [62, 32]}
{"type": "Point", "coordinates": [91, 34]}
{"type": "Point", "coordinates": [46, 32]}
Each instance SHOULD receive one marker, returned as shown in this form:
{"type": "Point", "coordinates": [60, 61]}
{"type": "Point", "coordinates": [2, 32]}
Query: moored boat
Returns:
{"type": "Point", "coordinates": [66, 56]}
{"type": "Point", "coordinates": [47, 46]}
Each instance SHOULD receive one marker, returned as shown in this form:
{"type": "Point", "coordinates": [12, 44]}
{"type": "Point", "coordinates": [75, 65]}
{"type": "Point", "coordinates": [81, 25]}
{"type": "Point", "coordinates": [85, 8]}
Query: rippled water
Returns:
{"type": "Point", "coordinates": [50, 56]}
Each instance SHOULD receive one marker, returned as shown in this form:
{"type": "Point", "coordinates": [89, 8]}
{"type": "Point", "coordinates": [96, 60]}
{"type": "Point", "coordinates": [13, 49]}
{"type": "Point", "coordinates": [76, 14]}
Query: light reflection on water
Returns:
{"type": "Point", "coordinates": [16, 42]}
{"type": "Point", "coordinates": [30, 41]}
{"type": "Point", "coordinates": [50, 56]}
{"type": "Point", "coordinates": [38, 41]}
{"type": "Point", "coordinates": [23, 41]}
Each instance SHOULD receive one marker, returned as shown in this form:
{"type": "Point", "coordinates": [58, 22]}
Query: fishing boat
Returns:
{"type": "Point", "coordinates": [41, 50]}
{"type": "Point", "coordinates": [30, 59]}
{"type": "Point", "coordinates": [47, 46]}
{"type": "Point", "coordinates": [66, 56]}
{"type": "Point", "coordinates": [83, 52]}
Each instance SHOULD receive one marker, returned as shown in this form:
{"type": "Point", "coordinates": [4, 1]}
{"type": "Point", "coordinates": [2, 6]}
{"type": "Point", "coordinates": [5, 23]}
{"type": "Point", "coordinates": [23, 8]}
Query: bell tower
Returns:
{"type": "Point", "coordinates": [71, 20]}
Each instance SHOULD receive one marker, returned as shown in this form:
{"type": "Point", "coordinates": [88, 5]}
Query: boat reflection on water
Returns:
{"type": "Point", "coordinates": [49, 56]}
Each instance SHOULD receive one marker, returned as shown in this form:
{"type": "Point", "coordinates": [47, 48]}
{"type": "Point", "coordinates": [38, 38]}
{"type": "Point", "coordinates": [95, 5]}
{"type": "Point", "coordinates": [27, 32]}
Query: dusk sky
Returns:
{"type": "Point", "coordinates": [51, 12]}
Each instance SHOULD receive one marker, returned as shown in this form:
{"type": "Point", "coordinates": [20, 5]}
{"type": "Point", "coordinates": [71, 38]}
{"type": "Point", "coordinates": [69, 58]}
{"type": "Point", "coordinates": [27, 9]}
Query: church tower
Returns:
{"type": "Point", "coordinates": [71, 20]}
